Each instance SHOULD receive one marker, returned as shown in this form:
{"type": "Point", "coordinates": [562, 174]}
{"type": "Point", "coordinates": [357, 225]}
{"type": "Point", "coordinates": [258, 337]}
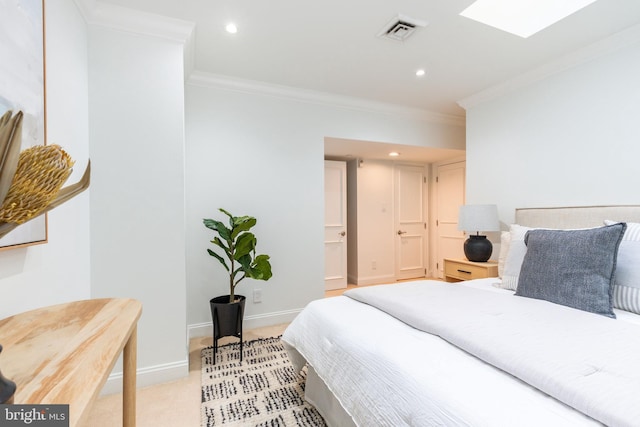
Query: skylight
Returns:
{"type": "Point", "coordinates": [522, 17]}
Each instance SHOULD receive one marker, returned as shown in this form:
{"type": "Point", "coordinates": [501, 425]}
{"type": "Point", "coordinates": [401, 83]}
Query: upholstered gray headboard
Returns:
{"type": "Point", "coordinates": [576, 217]}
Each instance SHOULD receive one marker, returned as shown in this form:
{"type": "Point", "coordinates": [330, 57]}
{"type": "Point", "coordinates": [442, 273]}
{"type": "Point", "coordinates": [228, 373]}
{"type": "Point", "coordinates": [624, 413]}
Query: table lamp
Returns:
{"type": "Point", "coordinates": [477, 218]}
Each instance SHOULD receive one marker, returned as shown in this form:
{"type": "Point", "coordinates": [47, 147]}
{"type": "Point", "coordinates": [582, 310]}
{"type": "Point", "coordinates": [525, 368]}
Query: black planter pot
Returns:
{"type": "Point", "coordinates": [7, 388]}
{"type": "Point", "coordinates": [227, 320]}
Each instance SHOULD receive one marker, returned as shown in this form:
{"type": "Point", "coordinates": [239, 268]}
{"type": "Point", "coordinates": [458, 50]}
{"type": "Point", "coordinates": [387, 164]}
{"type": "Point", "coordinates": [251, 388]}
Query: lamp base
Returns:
{"type": "Point", "coordinates": [478, 248]}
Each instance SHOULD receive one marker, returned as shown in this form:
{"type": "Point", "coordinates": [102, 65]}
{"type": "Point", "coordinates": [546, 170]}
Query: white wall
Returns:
{"type": "Point", "coordinates": [58, 271]}
{"type": "Point", "coordinates": [262, 155]}
{"type": "Point", "coordinates": [571, 139]}
{"type": "Point", "coordinates": [137, 207]}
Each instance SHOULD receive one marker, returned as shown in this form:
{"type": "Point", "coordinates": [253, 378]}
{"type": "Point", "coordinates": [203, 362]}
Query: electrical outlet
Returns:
{"type": "Point", "coordinates": [374, 265]}
{"type": "Point", "coordinates": [257, 296]}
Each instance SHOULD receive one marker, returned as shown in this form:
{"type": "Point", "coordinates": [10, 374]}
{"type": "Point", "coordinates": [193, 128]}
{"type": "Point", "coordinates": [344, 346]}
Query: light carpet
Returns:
{"type": "Point", "coordinates": [262, 390]}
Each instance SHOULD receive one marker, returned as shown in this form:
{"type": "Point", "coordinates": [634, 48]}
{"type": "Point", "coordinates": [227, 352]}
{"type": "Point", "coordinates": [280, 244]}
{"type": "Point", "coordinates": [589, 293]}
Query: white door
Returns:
{"type": "Point", "coordinates": [410, 222]}
{"type": "Point", "coordinates": [450, 188]}
{"type": "Point", "coordinates": [335, 225]}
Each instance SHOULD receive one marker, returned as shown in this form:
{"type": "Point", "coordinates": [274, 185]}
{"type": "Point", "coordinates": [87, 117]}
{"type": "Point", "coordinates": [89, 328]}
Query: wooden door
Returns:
{"type": "Point", "coordinates": [410, 222]}
{"type": "Point", "coordinates": [335, 224]}
{"type": "Point", "coordinates": [450, 190]}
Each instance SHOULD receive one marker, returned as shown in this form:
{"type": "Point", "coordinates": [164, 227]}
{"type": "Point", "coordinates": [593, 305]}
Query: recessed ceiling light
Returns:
{"type": "Point", "coordinates": [523, 17]}
{"type": "Point", "coordinates": [231, 28]}
{"type": "Point", "coordinates": [394, 154]}
{"type": "Point", "coordinates": [421, 72]}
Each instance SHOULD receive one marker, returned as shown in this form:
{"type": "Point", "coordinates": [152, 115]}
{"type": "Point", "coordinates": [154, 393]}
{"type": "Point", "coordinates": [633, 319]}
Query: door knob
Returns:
{"type": "Point", "coordinates": [400, 232]}
{"type": "Point", "coordinates": [343, 233]}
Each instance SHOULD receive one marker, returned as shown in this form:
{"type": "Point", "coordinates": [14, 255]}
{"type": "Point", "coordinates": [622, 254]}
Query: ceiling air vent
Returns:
{"type": "Point", "coordinates": [400, 28]}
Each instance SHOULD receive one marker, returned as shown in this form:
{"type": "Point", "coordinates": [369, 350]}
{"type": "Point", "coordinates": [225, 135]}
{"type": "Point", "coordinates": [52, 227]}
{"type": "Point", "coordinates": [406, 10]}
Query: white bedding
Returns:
{"type": "Point", "coordinates": [587, 361]}
{"type": "Point", "coordinates": [391, 374]}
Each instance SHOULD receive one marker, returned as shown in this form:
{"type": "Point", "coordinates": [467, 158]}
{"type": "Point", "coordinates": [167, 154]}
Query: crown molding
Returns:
{"type": "Point", "coordinates": [134, 21]}
{"type": "Point", "coordinates": [217, 81]}
{"type": "Point", "coordinates": [596, 50]}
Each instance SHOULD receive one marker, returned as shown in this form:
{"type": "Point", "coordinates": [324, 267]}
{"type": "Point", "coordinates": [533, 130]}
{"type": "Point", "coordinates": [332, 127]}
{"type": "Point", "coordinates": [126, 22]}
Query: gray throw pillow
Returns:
{"type": "Point", "coordinates": [575, 268]}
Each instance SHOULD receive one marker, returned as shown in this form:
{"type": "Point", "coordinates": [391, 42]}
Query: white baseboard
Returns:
{"type": "Point", "coordinates": [173, 371]}
{"type": "Point", "coordinates": [250, 322]}
{"type": "Point", "coordinates": [148, 376]}
{"type": "Point", "coordinates": [374, 280]}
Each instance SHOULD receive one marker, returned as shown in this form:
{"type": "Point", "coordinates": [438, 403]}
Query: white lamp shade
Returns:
{"type": "Point", "coordinates": [476, 218]}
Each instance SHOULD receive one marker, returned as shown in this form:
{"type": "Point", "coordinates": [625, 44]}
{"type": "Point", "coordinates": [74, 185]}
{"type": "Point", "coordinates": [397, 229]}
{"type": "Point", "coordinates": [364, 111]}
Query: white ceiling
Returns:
{"type": "Point", "coordinates": [332, 45]}
{"type": "Point", "coordinates": [349, 149]}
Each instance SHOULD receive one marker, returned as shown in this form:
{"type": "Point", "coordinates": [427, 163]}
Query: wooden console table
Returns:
{"type": "Point", "coordinates": [64, 354]}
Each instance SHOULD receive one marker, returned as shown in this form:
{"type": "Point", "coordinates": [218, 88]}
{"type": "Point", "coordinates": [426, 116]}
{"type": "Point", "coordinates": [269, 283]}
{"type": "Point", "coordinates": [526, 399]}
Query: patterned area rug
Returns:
{"type": "Point", "coordinates": [263, 390]}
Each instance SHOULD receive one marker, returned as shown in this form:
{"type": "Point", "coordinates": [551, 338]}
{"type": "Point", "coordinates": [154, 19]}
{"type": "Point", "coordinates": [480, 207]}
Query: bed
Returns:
{"type": "Point", "coordinates": [505, 351]}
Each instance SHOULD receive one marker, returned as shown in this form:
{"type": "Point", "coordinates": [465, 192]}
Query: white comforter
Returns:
{"type": "Point", "coordinates": [385, 373]}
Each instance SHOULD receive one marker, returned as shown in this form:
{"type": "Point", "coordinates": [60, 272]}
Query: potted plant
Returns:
{"type": "Point", "coordinates": [238, 248]}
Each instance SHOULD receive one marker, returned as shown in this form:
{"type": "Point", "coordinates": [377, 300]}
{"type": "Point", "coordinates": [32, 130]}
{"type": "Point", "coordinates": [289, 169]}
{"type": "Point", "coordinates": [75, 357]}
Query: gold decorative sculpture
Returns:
{"type": "Point", "coordinates": [31, 180]}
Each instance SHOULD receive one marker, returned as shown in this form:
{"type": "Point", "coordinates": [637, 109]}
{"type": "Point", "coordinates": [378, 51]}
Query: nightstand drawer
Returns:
{"type": "Point", "coordinates": [467, 270]}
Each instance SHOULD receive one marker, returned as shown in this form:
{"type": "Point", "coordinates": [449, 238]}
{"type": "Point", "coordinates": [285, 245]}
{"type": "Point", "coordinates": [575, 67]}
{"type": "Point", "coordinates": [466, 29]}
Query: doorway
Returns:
{"type": "Point", "coordinates": [372, 229]}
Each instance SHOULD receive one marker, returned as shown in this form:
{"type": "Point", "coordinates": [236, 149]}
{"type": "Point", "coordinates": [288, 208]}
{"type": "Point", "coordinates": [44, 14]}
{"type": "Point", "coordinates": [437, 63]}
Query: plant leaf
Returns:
{"type": "Point", "coordinates": [259, 269]}
{"type": "Point", "coordinates": [241, 224]}
{"type": "Point", "coordinates": [219, 258]}
{"type": "Point", "coordinates": [219, 227]}
{"type": "Point", "coordinates": [245, 245]}
{"type": "Point", "coordinates": [216, 241]}
{"type": "Point", "coordinates": [262, 268]}
{"type": "Point", "coordinates": [231, 217]}
{"type": "Point", "coordinates": [245, 262]}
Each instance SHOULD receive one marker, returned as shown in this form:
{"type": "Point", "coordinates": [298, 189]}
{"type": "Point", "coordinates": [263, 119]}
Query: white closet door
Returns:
{"type": "Point", "coordinates": [410, 222]}
{"type": "Point", "coordinates": [335, 224]}
{"type": "Point", "coordinates": [450, 188]}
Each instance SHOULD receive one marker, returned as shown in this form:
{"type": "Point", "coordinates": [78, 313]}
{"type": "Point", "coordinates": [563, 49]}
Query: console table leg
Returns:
{"type": "Point", "coordinates": [129, 360]}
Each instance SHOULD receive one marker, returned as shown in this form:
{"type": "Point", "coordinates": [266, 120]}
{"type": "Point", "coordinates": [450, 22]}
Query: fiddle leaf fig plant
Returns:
{"type": "Point", "coordinates": [238, 246]}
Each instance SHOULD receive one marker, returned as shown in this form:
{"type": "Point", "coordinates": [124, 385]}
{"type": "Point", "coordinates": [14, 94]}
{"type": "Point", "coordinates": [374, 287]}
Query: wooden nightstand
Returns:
{"type": "Point", "coordinates": [456, 270]}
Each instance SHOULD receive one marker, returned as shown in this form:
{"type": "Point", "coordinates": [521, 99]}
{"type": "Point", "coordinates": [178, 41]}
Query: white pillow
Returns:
{"type": "Point", "coordinates": [626, 285]}
{"type": "Point", "coordinates": [505, 241]}
{"type": "Point", "coordinates": [516, 252]}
